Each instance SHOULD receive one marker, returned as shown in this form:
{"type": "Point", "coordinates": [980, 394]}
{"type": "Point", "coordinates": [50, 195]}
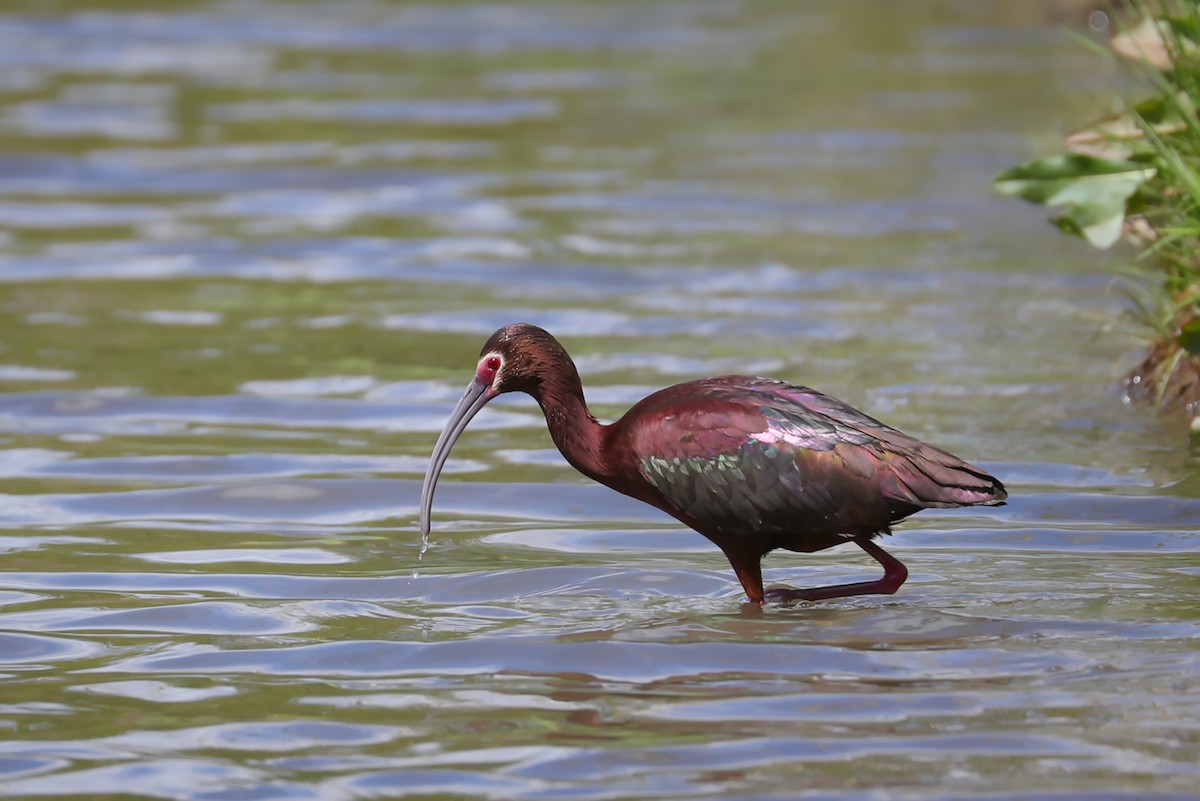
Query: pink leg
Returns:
{"type": "Point", "coordinates": [894, 574]}
{"type": "Point", "coordinates": [749, 572]}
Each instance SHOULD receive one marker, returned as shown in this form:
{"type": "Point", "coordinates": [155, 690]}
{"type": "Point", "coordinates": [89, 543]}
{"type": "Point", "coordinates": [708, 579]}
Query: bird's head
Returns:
{"type": "Point", "coordinates": [517, 358]}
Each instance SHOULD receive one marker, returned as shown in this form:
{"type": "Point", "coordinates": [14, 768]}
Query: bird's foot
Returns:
{"type": "Point", "coordinates": [893, 577]}
{"type": "Point", "coordinates": [786, 595]}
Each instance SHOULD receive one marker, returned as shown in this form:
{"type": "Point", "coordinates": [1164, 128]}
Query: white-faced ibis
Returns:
{"type": "Point", "coordinates": [751, 463]}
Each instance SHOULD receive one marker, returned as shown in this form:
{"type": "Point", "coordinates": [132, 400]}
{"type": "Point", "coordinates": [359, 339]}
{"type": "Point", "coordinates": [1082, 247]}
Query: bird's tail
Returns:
{"type": "Point", "coordinates": [928, 477]}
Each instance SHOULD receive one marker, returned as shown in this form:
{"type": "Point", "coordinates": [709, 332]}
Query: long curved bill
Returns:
{"type": "Point", "coordinates": [474, 399]}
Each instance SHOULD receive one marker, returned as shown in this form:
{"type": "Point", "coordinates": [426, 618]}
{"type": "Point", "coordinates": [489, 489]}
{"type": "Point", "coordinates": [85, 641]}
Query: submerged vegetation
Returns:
{"type": "Point", "coordinates": [1136, 176]}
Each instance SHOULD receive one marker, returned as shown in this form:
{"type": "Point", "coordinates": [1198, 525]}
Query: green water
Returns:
{"type": "Point", "coordinates": [249, 252]}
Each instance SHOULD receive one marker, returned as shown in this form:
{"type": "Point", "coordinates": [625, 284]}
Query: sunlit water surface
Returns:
{"type": "Point", "coordinates": [249, 251]}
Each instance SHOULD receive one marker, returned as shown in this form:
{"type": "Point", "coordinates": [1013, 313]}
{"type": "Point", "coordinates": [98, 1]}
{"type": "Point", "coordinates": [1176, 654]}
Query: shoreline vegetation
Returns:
{"type": "Point", "coordinates": [1134, 176]}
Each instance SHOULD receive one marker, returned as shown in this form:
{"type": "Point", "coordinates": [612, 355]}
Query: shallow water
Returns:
{"type": "Point", "coordinates": [248, 254]}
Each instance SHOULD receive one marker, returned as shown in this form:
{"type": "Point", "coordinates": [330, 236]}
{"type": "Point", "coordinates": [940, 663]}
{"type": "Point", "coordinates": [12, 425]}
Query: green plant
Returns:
{"type": "Point", "coordinates": [1136, 176]}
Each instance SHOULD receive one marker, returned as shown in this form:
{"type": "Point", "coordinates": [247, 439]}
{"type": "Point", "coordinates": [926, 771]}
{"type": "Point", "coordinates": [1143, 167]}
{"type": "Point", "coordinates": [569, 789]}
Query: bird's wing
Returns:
{"type": "Point", "coordinates": [720, 459]}
{"type": "Point", "coordinates": [910, 472]}
{"type": "Point", "coordinates": [764, 454]}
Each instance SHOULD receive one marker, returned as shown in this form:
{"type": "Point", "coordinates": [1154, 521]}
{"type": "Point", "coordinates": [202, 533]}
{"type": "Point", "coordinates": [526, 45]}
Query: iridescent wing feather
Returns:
{"type": "Point", "coordinates": [749, 455]}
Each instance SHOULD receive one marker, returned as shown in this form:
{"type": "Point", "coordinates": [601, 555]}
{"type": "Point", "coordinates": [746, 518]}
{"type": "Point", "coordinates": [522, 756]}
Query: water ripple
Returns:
{"type": "Point", "coordinates": [249, 256]}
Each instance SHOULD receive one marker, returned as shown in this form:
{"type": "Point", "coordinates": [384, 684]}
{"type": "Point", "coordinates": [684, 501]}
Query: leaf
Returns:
{"type": "Point", "coordinates": [1189, 336]}
{"type": "Point", "coordinates": [1185, 30]}
{"type": "Point", "coordinates": [1118, 136]}
{"type": "Point", "coordinates": [1147, 41]}
{"type": "Point", "coordinates": [1092, 191]}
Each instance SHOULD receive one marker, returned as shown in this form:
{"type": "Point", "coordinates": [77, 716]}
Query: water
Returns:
{"type": "Point", "coordinates": [249, 253]}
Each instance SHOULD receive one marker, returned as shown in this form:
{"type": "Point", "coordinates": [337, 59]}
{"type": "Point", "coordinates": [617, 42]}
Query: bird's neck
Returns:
{"type": "Point", "coordinates": [577, 434]}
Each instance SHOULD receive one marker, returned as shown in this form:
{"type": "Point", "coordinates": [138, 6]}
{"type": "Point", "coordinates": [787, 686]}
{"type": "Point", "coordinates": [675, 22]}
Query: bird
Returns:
{"type": "Point", "coordinates": [754, 464]}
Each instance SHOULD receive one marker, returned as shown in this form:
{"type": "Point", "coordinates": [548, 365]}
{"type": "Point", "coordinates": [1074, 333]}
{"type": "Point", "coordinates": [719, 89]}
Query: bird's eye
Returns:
{"type": "Point", "coordinates": [493, 363]}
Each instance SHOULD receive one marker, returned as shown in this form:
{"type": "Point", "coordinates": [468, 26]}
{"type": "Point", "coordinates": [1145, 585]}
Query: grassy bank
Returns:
{"type": "Point", "coordinates": [1135, 176]}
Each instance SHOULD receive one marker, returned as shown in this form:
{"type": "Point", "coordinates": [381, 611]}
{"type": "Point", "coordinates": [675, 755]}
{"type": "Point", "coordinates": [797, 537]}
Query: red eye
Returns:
{"type": "Point", "coordinates": [493, 363]}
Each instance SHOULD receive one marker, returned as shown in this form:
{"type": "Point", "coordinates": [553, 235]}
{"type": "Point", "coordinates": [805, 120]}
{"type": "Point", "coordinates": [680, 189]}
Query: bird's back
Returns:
{"type": "Point", "coordinates": [738, 456]}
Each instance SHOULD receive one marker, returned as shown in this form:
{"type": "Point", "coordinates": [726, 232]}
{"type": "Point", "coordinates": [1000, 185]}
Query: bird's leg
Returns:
{"type": "Point", "coordinates": [749, 572]}
{"type": "Point", "coordinates": [894, 574]}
